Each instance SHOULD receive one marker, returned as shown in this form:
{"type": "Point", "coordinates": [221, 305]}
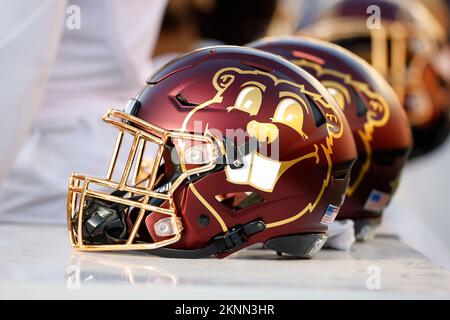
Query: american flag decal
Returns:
{"type": "Point", "coordinates": [377, 201]}
{"type": "Point", "coordinates": [330, 214]}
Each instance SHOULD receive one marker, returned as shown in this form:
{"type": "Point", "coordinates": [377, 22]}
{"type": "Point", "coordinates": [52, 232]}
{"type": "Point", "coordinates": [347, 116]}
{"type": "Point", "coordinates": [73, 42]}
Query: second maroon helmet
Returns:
{"type": "Point", "coordinates": [376, 117]}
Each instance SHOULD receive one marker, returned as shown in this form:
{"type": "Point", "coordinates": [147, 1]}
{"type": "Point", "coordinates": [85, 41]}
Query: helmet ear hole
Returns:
{"type": "Point", "coordinates": [203, 220]}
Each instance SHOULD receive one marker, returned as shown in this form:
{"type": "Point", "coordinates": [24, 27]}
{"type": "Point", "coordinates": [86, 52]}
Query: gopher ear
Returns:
{"type": "Point", "coordinates": [224, 78]}
{"type": "Point", "coordinates": [334, 117]}
{"type": "Point", "coordinates": [334, 124]}
{"type": "Point", "coordinates": [378, 112]}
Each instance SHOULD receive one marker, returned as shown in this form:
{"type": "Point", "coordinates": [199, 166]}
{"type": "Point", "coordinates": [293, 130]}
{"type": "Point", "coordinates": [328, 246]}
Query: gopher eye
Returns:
{"type": "Point", "coordinates": [339, 93]}
{"type": "Point", "coordinates": [338, 96]}
{"type": "Point", "coordinates": [290, 112]}
{"type": "Point", "coordinates": [249, 100]}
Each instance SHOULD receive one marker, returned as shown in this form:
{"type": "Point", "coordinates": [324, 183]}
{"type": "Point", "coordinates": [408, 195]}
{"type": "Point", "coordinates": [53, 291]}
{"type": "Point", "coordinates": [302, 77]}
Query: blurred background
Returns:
{"type": "Point", "coordinates": [63, 63]}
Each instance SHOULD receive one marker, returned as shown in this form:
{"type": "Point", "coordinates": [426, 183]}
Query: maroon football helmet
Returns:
{"type": "Point", "coordinates": [378, 122]}
{"type": "Point", "coordinates": [401, 39]}
{"type": "Point", "coordinates": [230, 146]}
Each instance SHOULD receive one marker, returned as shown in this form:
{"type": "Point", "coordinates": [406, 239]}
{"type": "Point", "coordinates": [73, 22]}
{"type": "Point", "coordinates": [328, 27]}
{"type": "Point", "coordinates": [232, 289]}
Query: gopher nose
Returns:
{"type": "Point", "coordinates": [263, 132]}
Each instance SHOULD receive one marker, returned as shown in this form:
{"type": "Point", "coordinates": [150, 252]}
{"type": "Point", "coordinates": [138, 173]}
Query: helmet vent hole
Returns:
{"type": "Point", "coordinates": [184, 102]}
{"type": "Point", "coordinates": [319, 118]}
{"type": "Point", "coordinates": [237, 201]}
{"type": "Point", "coordinates": [361, 108]}
{"type": "Point", "coordinates": [340, 173]}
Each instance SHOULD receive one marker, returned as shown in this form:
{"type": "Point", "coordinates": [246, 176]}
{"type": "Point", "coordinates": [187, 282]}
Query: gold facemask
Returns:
{"type": "Point", "coordinates": [131, 182]}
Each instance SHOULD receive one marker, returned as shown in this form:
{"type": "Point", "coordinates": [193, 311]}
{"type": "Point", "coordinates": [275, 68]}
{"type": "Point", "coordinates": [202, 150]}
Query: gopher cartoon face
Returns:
{"type": "Point", "coordinates": [371, 110]}
{"type": "Point", "coordinates": [277, 112]}
{"type": "Point", "coordinates": [242, 146]}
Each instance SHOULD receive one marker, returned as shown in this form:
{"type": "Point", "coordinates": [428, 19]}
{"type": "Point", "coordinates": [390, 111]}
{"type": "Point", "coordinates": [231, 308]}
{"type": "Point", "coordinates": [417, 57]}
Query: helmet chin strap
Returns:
{"type": "Point", "coordinates": [106, 224]}
{"type": "Point", "coordinates": [233, 239]}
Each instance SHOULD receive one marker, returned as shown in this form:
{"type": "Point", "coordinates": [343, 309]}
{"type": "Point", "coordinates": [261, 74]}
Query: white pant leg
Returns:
{"type": "Point", "coordinates": [29, 38]}
{"type": "Point", "coordinates": [36, 190]}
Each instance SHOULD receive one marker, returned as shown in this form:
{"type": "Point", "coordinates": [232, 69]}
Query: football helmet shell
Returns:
{"type": "Point", "coordinates": [377, 119]}
{"type": "Point", "coordinates": [247, 148]}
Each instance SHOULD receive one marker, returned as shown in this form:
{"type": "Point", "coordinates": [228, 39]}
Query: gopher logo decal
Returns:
{"type": "Point", "coordinates": [274, 125]}
{"type": "Point", "coordinates": [377, 115]}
